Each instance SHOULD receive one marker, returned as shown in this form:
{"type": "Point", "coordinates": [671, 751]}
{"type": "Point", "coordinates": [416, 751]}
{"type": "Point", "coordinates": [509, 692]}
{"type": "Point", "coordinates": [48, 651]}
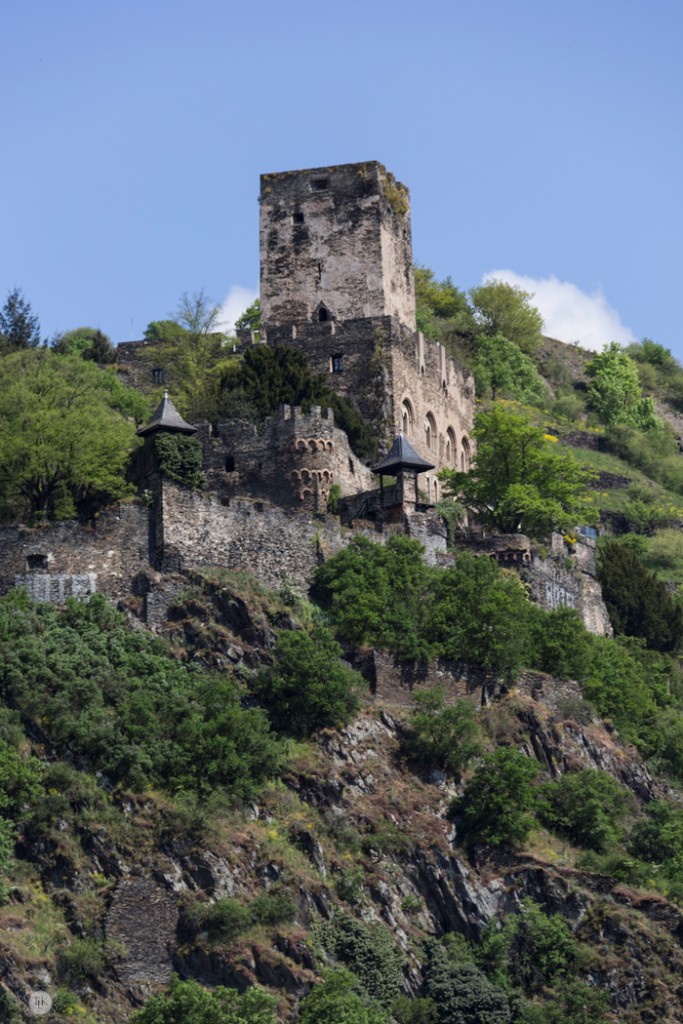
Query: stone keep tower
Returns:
{"type": "Point", "coordinates": [335, 246]}
{"type": "Point", "coordinates": [337, 283]}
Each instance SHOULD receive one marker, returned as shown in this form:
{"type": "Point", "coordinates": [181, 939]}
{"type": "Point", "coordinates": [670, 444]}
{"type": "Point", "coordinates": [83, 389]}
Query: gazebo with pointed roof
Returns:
{"type": "Point", "coordinates": [401, 459]}
{"type": "Point", "coordinates": [166, 418]}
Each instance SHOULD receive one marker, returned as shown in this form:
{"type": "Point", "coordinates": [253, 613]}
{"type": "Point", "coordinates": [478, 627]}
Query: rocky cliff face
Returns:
{"type": "Point", "coordinates": [350, 828]}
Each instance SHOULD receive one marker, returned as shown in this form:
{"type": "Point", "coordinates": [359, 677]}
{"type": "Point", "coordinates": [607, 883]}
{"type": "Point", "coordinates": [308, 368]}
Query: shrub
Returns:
{"type": "Point", "coordinates": [659, 838]}
{"type": "Point", "coordinates": [187, 1002]}
{"type": "Point", "coordinates": [586, 807]}
{"type": "Point", "coordinates": [82, 959]}
{"type": "Point", "coordinates": [638, 603]}
{"type": "Point", "coordinates": [340, 1000]}
{"type": "Point", "coordinates": [532, 950]}
{"type": "Point", "coordinates": [443, 737]}
{"type": "Point", "coordinates": [559, 643]}
{"type": "Point", "coordinates": [575, 1003]}
{"type": "Point", "coordinates": [309, 687]}
{"type": "Point", "coordinates": [368, 952]}
{"type": "Point", "coordinates": [495, 805]}
{"type": "Point", "coordinates": [180, 458]}
{"type": "Point", "coordinates": [462, 993]}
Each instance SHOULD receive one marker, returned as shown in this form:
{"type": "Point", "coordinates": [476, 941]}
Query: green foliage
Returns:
{"type": "Point", "coordinates": [521, 480]}
{"type": "Point", "coordinates": [574, 1002]}
{"type": "Point", "coordinates": [531, 950]}
{"type": "Point", "coordinates": [309, 687]}
{"type": "Point", "coordinates": [187, 1002]}
{"type": "Point", "coordinates": [225, 919]}
{"type": "Point", "coordinates": [63, 440]}
{"type": "Point", "coordinates": [6, 855]}
{"type": "Point", "coordinates": [442, 310]}
{"type": "Point", "coordinates": [501, 370]}
{"type": "Point", "coordinates": [164, 330]}
{"type": "Point", "coordinates": [83, 959]}
{"type": "Point", "coordinates": [637, 602]}
{"type": "Point", "coordinates": [415, 1011]}
{"type": "Point", "coordinates": [368, 952]}
{"type": "Point", "coordinates": [333, 499]}
{"type": "Point", "coordinates": [615, 392]}
{"type": "Point", "coordinates": [250, 320]}
{"type": "Point", "coordinates": [269, 376]}
{"type": "Point", "coordinates": [659, 838]}
{"type": "Point", "coordinates": [586, 807]}
{"type": "Point", "coordinates": [505, 309]}
{"type": "Point", "coordinates": [20, 779]}
{"type": "Point", "coordinates": [498, 798]}
{"type": "Point", "coordinates": [462, 993]}
{"type": "Point", "coordinates": [192, 354]}
{"type": "Point", "coordinates": [385, 596]}
{"type": "Point", "coordinates": [180, 458]}
{"type": "Point", "coordinates": [340, 999]}
{"type": "Point", "coordinates": [19, 328]}
{"type": "Point", "coordinates": [122, 703]}
{"type": "Point", "coordinates": [443, 737]}
{"type": "Point", "coordinates": [559, 643]}
{"type": "Point", "coordinates": [86, 343]}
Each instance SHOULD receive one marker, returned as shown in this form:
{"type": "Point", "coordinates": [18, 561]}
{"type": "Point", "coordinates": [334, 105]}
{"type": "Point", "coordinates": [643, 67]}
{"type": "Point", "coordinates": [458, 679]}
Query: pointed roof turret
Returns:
{"type": "Point", "coordinates": [402, 456]}
{"type": "Point", "coordinates": [168, 418]}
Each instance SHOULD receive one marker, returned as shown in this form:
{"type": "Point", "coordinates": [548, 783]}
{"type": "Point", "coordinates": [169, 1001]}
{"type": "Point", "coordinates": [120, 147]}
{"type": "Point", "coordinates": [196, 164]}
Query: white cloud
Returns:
{"type": "Point", "coordinates": [570, 314]}
{"type": "Point", "coordinates": [233, 305]}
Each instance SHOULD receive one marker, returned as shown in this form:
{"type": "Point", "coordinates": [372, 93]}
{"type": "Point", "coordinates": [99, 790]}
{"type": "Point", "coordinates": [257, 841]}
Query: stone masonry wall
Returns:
{"type": "Point", "coordinates": [67, 559]}
{"type": "Point", "coordinates": [335, 245]}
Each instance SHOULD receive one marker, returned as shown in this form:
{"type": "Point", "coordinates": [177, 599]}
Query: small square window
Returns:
{"type": "Point", "coordinates": [158, 375]}
{"type": "Point", "coordinates": [298, 217]}
{"type": "Point", "coordinates": [338, 363]}
{"type": "Point", "coordinates": [318, 184]}
{"type": "Point", "coordinates": [36, 562]}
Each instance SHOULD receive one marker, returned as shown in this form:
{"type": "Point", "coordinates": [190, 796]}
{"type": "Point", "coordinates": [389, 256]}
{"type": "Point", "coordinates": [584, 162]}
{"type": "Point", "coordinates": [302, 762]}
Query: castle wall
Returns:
{"type": "Point", "coordinates": [338, 238]}
{"type": "Point", "coordinates": [294, 458]}
{"type": "Point", "coordinates": [62, 560]}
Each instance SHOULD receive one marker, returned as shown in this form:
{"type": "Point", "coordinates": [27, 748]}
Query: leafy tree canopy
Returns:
{"type": "Point", "coordinates": [521, 480]}
{"type": "Point", "coordinates": [638, 603]}
{"type": "Point", "coordinates": [65, 435]}
{"type": "Point", "coordinates": [615, 391]}
{"type": "Point", "coordinates": [442, 310]}
{"type": "Point", "coordinates": [501, 370]}
{"type": "Point", "coordinates": [19, 328]}
{"type": "Point", "coordinates": [586, 807]}
{"type": "Point", "coordinates": [250, 320]}
{"type": "Point", "coordinates": [309, 687]}
{"type": "Point", "coordinates": [164, 330]}
{"type": "Point", "coordinates": [187, 1002]}
{"type": "Point", "coordinates": [506, 309]}
{"type": "Point", "coordinates": [496, 803]}
{"type": "Point", "coordinates": [86, 342]}
{"type": "Point", "coordinates": [340, 999]}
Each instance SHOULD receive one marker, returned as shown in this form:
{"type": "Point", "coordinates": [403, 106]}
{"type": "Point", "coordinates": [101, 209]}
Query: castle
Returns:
{"type": "Point", "coordinates": [337, 283]}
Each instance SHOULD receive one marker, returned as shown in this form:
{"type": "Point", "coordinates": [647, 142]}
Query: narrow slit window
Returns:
{"type": "Point", "coordinates": [338, 363]}
{"type": "Point", "coordinates": [159, 376]}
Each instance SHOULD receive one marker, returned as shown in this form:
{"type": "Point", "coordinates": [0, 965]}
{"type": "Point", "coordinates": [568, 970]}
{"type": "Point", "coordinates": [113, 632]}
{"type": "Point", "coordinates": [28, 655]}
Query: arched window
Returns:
{"type": "Point", "coordinates": [465, 456]}
{"type": "Point", "coordinates": [407, 418]}
{"type": "Point", "coordinates": [431, 438]}
{"type": "Point", "coordinates": [451, 447]}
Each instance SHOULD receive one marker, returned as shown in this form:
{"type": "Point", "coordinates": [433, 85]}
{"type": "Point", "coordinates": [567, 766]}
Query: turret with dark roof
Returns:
{"type": "Point", "coordinates": [167, 418]}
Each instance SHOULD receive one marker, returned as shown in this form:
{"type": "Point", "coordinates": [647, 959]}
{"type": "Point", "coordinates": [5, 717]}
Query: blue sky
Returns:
{"type": "Point", "coordinates": [541, 141]}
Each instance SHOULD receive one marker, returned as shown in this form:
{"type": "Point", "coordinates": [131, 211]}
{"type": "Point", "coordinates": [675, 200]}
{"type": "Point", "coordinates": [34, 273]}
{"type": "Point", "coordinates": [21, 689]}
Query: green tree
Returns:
{"type": "Point", "coordinates": [462, 993]}
{"type": "Point", "coordinates": [64, 442]}
{"type": "Point", "coordinates": [521, 479]}
{"type": "Point", "coordinates": [6, 857]}
{"type": "Point", "coordinates": [638, 603]}
{"type": "Point", "coordinates": [309, 687]}
{"type": "Point", "coordinates": [442, 310]}
{"type": "Point", "coordinates": [501, 370]}
{"type": "Point", "coordinates": [559, 643]}
{"type": "Point", "coordinates": [187, 1002]}
{"type": "Point", "coordinates": [615, 392]}
{"type": "Point", "coordinates": [87, 343]}
{"type": "Point", "coordinates": [340, 999]}
{"type": "Point", "coordinates": [659, 837]}
{"type": "Point", "coordinates": [250, 320]}
{"type": "Point", "coordinates": [443, 737]}
{"type": "Point", "coordinates": [19, 328]}
{"type": "Point", "coordinates": [498, 798]}
{"type": "Point", "coordinates": [506, 309]}
{"type": "Point", "coordinates": [193, 354]}
{"type": "Point", "coordinates": [585, 806]}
